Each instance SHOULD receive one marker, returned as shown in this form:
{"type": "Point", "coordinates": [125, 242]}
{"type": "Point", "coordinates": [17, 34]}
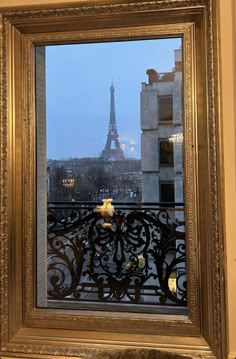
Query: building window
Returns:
{"type": "Point", "coordinates": [167, 192]}
{"type": "Point", "coordinates": [165, 108]}
{"type": "Point", "coordinates": [166, 153]}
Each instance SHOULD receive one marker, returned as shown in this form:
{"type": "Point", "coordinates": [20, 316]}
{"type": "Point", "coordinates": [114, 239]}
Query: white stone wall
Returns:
{"type": "Point", "coordinates": [149, 110]}
{"type": "Point", "coordinates": [150, 181]}
{"type": "Point", "coordinates": [150, 151]}
{"type": "Point", "coordinates": [153, 131]}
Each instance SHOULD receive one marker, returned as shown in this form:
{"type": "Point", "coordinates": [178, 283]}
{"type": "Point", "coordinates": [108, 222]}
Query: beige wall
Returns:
{"type": "Point", "coordinates": [227, 53]}
{"type": "Point", "coordinates": [228, 78]}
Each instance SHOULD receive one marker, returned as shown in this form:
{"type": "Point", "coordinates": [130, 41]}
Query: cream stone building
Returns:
{"type": "Point", "coordinates": [161, 125]}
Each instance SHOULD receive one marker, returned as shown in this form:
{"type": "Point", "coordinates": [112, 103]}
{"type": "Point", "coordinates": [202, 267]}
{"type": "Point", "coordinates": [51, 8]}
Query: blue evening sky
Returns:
{"type": "Point", "coordinates": [78, 80]}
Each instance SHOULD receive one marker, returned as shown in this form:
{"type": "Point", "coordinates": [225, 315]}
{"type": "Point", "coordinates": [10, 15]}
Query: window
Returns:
{"type": "Point", "coordinates": [165, 108]}
{"type": "Point", "coordinates": [100, 324]}
{"type": "Point", "coordinates": [167, 192]}
{"type": "Point", "coordinates": [166, 153]}
{"type": "Point", "coordinates": [88, 164]}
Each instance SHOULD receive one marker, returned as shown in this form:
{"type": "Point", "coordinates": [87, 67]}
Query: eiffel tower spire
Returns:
{"type": "Point", "coordinates": [112, 150]}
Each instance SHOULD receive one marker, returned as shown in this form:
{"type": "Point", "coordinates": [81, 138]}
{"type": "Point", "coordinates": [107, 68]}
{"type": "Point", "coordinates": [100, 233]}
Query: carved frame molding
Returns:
{"type": "Point", "coordinates": [204, 327]}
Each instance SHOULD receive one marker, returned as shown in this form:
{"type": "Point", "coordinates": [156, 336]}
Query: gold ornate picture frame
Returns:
{"type": "Point", "coordinates": [28, 331]}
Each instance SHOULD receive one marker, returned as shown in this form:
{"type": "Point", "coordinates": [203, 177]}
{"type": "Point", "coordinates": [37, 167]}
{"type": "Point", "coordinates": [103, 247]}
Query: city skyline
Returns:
{"type": "Point", "coordinates": [78, 93]}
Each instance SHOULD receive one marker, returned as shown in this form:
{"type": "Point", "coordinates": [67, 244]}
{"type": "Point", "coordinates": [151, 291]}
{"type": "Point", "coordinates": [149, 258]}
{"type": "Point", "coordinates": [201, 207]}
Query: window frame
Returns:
{"type": "Point", "coordinates": [167, 183]}
{"type": "Point", "coordinates": [26, 329]}
{"type": "Point", "coordinates": [161, 163]}
{"type": "Point", "coordinates": [163, 121]}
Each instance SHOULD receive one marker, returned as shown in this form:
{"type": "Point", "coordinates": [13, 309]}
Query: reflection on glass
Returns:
{"type": "Point", "coordinates": [111, 134]}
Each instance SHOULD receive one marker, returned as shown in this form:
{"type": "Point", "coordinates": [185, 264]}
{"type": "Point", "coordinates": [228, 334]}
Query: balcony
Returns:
{"type": "Point", "coordinates": [136, 263]}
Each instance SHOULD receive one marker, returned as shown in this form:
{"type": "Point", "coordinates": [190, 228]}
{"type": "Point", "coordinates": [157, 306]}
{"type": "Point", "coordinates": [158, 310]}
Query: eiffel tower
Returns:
{"type": "Point", "coordinates": [112, 150]}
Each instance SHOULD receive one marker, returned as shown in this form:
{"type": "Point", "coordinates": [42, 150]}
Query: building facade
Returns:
{"type": "Point", "coordinates": [162, 136]}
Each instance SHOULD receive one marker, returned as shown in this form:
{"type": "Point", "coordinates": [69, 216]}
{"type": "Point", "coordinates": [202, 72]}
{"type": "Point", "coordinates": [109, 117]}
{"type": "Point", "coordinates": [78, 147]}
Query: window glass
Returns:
{"type": "Point", "coordinates": [104, 165]}
{"type": "Point", "coordinates": [166, 152]}
{"type": "Point", "coordinates": [167, 192]}
{"type": "Point", "coordinates": [165, 108]}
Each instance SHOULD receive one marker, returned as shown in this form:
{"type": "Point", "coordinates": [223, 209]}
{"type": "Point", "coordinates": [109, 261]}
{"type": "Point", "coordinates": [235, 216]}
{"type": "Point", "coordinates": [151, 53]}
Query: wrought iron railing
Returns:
{"type": "Point", "coordinates": [140, 259]}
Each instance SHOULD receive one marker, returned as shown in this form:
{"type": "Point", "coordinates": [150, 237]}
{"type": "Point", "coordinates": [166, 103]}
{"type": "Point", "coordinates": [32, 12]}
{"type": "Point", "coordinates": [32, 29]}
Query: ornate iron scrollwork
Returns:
{"type": "Point", "coordinates": [139, 259]}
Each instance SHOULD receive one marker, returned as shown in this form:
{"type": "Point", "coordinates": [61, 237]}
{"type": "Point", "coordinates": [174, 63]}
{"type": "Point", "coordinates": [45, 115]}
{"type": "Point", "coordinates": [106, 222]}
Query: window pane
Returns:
{"type": "Point", "coordinates": [105, 165]}
{"type": "Point", "coordinates": [165, 108]}
{"type": "Point", "coordinates": [166, 152]}
{"type": "Point", "coordinates": [167, 192]}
